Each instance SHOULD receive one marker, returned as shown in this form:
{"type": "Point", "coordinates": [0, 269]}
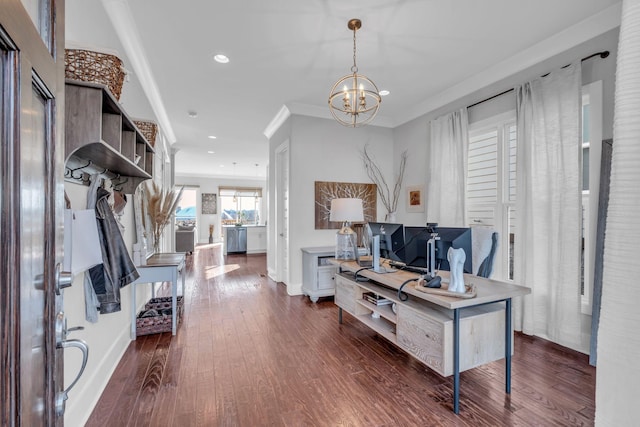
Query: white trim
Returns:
{"type": "Point", "coordinates": [493, 121]}
{"type": "Point", "coordinates": [324, 113]}
{"type": "Point", "coordinates": [277, 121]}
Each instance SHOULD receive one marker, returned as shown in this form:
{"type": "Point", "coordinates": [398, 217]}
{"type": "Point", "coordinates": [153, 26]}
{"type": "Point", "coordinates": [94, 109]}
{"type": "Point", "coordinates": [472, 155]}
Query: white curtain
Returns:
{"type": "Point", "coordinates": [548, 207]}
{"type": "Point", "coordinates": [618, 372]}
{"type": "Point", "coordinates": [446, 188]}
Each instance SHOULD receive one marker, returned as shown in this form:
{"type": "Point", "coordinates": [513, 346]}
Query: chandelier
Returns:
{"type": "Point", "coordinates": [354, 99]}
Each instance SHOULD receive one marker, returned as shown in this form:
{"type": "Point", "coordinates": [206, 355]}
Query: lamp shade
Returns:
{"type": "Point", "coordinates": [346, 210]}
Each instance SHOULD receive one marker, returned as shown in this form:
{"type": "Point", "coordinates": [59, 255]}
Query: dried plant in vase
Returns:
{"type": "Point", "coordinates": [160, 206]}
{"type": "Point", "coordinates": [389, 199]}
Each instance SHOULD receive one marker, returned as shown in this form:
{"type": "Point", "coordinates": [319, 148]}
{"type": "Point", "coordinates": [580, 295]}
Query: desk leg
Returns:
{"type": "Point", "coordinates": [340, 315]}
{"type": "Point", "coordinates": [182, 274]}
{"type": "Point", "coordinates": [507, 345]}
{"type": "Point", "coordinates": [174, 302]}
{"type": "Point", "coordinates": [133, 311]}
{"type": "Point", "coordinates": [456, 361]}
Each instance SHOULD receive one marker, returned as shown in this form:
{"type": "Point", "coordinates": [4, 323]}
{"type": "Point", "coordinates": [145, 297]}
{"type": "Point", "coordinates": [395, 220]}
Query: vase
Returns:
{"type": "Point", "coordinates": [390, 217]}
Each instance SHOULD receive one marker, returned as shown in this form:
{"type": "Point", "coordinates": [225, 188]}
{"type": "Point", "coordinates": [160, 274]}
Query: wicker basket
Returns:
{"type": "Point", "coordinates": [162, 303]}
{"type": "Point", "coordinates": [148, 129]}
{"type": "Point", "coordinates": [95, 67]}
{"type": "Point", "coordinates": [161, 321]}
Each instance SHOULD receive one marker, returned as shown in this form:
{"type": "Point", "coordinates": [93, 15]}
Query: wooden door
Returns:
{"type": "Point", "coordinates": [31, 165]}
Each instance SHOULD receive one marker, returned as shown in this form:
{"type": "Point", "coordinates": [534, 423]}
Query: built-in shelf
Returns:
{"type": "Point", "coordinates": [101, 137]}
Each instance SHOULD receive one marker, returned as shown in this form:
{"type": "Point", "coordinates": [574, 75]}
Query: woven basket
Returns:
{"type": "Point", "coordinates": [161, 322]}
{"type": "Point", "coordinates": [95, 67]}
{"type": "Point", "coordinates": [148, 129]}
{"type": "Point", "coordinates": [161, 303]}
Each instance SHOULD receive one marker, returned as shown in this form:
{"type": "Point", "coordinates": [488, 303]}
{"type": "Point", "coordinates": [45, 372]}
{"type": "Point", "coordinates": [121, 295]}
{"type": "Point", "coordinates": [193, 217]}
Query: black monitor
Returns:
{"type": "Point", "coordinates": [415, 246]}
{"type": "Point", "coordinates": [391, 239]}
{"type": "Point", "coordinates": [456, 238]}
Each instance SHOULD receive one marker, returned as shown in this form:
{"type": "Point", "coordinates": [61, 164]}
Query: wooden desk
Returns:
{"type": "Point", "coordinates": [161, 267]}
{"type": "Point", "coordinates": [488, 292]}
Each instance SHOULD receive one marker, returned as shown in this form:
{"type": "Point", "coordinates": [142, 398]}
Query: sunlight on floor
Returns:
{"type": "Point", "coordinates": [218, 270]}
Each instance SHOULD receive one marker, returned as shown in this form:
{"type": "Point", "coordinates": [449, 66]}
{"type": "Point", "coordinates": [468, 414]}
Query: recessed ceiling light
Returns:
{"type": "Point", "coordinates": [193, 114]}
{"type": "Point", "coordinates": [221, 166]}
{"type": "Point", "coordinates": [384, 92]}
{"type": "Point", "coordinates": [222, 59]}
{"type": "Point", "coordinates": [212, 137]}
{"type": "Point", "coordinates": [211, 152]}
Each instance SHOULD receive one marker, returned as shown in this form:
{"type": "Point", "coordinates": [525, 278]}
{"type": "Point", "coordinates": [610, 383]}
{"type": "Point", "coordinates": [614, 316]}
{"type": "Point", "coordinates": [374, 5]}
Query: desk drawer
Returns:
{"type": "Point", "coordinates": [427, 334]}
{"type": "Point", "coordinates": [345, 296]}
{"type": "Point", "coordinates": [422, 336]}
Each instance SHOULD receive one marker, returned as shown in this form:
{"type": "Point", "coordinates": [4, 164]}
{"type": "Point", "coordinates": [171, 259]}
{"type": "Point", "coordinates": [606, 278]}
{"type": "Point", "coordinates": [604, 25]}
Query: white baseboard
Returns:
{"type": "Point", "coordinates": [84, 398]}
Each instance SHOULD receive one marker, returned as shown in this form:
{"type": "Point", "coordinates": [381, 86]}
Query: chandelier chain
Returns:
{"type": "Point", "coordinates": [354, 69]}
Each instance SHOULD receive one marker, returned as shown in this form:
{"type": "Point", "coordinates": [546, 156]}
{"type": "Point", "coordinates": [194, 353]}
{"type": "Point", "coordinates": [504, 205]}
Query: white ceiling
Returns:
{"type": "Point", "coordinates": [290, 52]}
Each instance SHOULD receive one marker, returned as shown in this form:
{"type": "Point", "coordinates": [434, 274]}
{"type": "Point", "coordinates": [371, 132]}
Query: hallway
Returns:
{"type": "Point", "coordinates": [247, 354]}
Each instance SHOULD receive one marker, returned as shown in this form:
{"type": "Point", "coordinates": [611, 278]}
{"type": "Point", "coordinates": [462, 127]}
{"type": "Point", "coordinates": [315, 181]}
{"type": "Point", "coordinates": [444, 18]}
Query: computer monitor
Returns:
{"type": "Point", "coordinates": [451, 237]}
{"type": "Point", "coordinates": [391, 239]}
{"type": "Point", "coordinates": [415, 246]}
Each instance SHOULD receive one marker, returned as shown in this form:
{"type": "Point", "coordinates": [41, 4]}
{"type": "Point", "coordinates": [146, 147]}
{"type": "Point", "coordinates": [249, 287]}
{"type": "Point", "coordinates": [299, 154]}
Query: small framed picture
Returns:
{"type": "Point", "coordinates": [209, 203]}
{"type": "Point", "coordinates": [415, 198]}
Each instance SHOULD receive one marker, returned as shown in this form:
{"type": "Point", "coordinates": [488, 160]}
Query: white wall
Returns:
{"type": "Point", "coordinates": [210, 185]}
{"type": "Point", "coordinates": [323, 150]}
{"type": "Point", "coordinates": [412, 137]}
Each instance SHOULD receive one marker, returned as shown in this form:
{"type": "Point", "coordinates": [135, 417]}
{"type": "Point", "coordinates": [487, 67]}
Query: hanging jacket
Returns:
{"type": "Point", "coordinates": [117, 269]}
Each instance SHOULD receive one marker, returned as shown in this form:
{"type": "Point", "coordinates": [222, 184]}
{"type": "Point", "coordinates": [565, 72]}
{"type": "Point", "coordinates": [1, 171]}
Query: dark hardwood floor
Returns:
{"type": "Point", "coordinates": [247, 354]}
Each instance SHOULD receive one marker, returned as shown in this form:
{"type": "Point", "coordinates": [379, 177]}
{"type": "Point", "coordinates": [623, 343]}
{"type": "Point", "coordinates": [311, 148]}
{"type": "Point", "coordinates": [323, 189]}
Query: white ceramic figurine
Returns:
{"type": "Point", "coordinates": [456, 258]}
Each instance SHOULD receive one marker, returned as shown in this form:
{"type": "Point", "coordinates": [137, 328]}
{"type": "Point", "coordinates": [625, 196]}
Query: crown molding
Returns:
{"type": "Point", "coordinates": [125, 27]}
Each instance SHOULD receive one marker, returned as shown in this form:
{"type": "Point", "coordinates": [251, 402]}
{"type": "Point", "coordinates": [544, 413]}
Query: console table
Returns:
{"type": "Point", "coordinates": [317, 272]}
{"type": "Point", "coordinates": [447, 334]}
{"type": "Point", "coordinates": [160, 267]}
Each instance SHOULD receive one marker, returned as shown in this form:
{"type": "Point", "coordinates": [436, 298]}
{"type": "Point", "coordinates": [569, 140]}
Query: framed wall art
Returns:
{"type": "Point", "coordinates": [209, 203]}
{"type": "Point", "coordinates": [327, 191]}
{"type": "Point", "coordinates": [415, 198]}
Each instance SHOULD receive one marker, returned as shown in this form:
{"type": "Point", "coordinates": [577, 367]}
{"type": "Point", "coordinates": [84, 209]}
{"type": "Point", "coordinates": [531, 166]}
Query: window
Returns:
{"type": "Point", "coordinates": [491, 184]}
{"type": "Point", "coordinates": [186, 211]}
{"type": "Point", "coordinates": [591, 153]}
{"type": "Point", "coordinates": [240, 205]}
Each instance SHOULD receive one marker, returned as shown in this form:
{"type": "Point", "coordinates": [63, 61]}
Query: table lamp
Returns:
{"type": "Point", "coordinates": [346, 211]}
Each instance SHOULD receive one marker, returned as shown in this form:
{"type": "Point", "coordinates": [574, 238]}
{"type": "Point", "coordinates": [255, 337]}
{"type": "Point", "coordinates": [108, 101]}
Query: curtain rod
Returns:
{"type": "Point", "coordinates": [602, 54]}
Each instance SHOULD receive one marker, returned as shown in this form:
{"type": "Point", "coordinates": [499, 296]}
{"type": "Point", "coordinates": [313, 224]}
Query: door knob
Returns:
{"type": "Point", "coordinates": [64, 279]}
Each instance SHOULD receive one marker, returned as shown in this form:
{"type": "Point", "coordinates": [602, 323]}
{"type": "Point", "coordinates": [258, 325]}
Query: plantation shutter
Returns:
{"type": "Point", "coordinates": [482, 181]}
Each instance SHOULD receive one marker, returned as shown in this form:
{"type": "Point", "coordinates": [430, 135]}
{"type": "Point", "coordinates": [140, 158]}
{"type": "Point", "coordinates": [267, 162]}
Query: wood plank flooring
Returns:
{"type": "Point", "coordinates": [247, 354]}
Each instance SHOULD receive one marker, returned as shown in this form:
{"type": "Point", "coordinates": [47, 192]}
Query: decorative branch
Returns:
{"type": "Point", "coordinates": [389, 199]}
{"type": "Point", "coordinates": [160, 206]}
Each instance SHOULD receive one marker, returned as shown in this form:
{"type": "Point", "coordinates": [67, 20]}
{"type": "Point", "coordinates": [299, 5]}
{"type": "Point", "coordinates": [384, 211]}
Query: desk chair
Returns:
{"type": "Point", "coordinates": [484, 244]}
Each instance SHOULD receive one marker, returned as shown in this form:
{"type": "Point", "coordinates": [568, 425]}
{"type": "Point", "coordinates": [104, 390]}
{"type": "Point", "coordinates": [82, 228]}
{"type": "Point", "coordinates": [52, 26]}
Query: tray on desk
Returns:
{"type": "Point", "coordinates": [470, 291]}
